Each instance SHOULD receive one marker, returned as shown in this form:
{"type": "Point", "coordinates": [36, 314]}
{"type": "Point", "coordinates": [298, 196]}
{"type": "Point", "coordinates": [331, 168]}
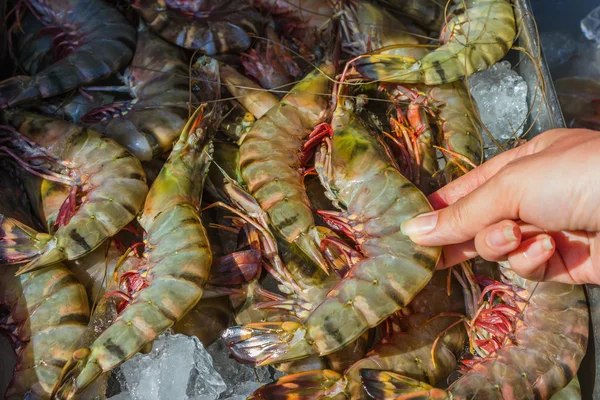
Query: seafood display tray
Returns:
{"type": "Point", "coordinates": [548, 115]}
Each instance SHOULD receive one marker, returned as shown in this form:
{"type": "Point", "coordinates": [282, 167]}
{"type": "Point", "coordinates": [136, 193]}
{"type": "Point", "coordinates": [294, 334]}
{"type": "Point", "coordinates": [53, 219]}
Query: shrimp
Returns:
{"type": "Point", "coordinates": [48, 312]}
{"type": "Point", "coordinates": [157, 80]}
{"type": "Point", "coordinates": [429, 14]}
{"type": "Point", "coordinates": [271, 63]}
{"type": "Point", "coordinates": [300, 15]}
{"type": "Point", "coordinates": [367, 27]}
{"type": "Point", "coordinates": [477, 34]}
{"type": "Point", "coordinates": [170, 277]}
{"type": "Point", "coordinates": [408, 351]}
{"type": "Point", "coordinates": [43, 313]}
{"type": "Point", "coordinates": [528, 346]}
{"type": "Point", "coordinates": [94, 40]}
{"type": "Point", "coordinates": [450, 108]}
{"type": "Point", "coordinates": [107, 186]}
{"type": "Point", "coordinates": [210, 26]}
{"type": "Point", "coordinates": [274, 143]}
{"type": "Point", "coordinates": [377, 199]}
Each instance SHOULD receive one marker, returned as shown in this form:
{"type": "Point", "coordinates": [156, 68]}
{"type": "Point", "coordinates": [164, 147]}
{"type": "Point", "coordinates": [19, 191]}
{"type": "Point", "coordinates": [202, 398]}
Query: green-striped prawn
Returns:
{"type": "Point", "coordinates": [528, 346]}
{"type": "Point", "coordinates": [376, 199]}
{"type": "Point", "coordinates": [170, 276]}
{"type": "Point", "coordinates": [477, 34]}
{"type": "Point", "coordinates": [107, 186]}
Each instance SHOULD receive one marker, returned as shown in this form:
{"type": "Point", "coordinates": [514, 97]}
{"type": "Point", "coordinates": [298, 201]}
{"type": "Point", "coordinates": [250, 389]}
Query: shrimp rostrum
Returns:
{"type": "Point", "coordinates": [107, 187]}
{"type": "Point", "coordinates": [376, 199]}
{"type": "Point", "coordinates": [170, 277]}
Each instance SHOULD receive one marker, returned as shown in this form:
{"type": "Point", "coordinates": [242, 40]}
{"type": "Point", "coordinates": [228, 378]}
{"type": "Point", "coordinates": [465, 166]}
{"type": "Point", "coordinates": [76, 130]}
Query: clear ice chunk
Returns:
{"type": "Point", "coordinates": [501, 97]}
{"type": "Point", "coordinates": [559, 47]}
{"type": "Point", "coordinates": [590, 25]}
{"type": "Point", "coordinates": [178, 367]}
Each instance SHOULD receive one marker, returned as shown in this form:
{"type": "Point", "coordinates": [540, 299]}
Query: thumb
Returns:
{"type": "Point", "coordinates": [492, 202]}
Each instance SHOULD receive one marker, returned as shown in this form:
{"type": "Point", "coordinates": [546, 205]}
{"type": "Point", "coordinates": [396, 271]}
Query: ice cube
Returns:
{"type": "Point", "coordinates": [559, 47]}
{"type": "Point", "coordinates": [241, 379]}
{"type": "Point", "coordinates": [501, 97]}
{"type": "Point", "coordinates": [590, 25]}
{"type": "Point", "coordinates": [178, 367]}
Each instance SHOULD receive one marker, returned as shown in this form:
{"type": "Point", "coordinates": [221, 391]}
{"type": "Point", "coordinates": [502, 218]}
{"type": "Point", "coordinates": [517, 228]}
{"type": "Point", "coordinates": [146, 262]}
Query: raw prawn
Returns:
{"type": "Point", "coordinates": [377, 198]}
{"type": "Point", "coordinates": [274, 143]}
{"type": "Point", "coordinates": [107, 186]}
{"type": "Point", "coordinates": [529, 346]}
{"type": "Point", "coordinates": [476, 35]}
{"type": "Point", "coordinates": [176, 263]}
{"type": "Point", "coordinates": [157, 80]}
{"type": "Point", "coordinates": [211, 26]}
{"type": "Point", "coordinates": [92, 41]}
{"type": "Point", "coordinates": [408, 351]}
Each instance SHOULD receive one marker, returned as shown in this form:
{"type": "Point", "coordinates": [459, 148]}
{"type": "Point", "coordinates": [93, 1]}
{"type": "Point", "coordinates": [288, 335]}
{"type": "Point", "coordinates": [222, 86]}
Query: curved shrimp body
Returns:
{"type": "Point", "coordinates": [368, 27]}
{"type": "Point", "coordinates": [210, 26]}
{"type": "Point", "coordinates": [149, 124]}
{"type": "Point", "coordinates": [539, 357]}
{"type": "Point", "coordinates": [99, 40]}
{"type": "Point", "coordinates": [394, 269]}
{"type": "Point", "coordinates": [451, 108]}
{"type": "Point", "coordinates": [274, 143]}
{"type": "Point", "coordinates": [48, 313]}
{"type": "Point", "coordinates": [107, 184]}
{"type": "Point", "coordinates": [175, 265]}
{"type": "Point", "coordinates": [476, 35]}
{"type": "Point", "coordinates": [407, 351]}
{"type": "Point", "coordinates": [459, 130]}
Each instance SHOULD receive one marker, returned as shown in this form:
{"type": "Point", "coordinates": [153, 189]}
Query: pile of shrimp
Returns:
{"type": "Point", "coordinates": [238, 171]}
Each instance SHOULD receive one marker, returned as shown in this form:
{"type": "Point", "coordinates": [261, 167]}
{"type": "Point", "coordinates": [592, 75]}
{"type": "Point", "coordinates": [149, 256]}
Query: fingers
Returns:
{"type": "Point", "coordinates": [496, 200]}
{"type": "Point", "coordinates": [530, 259]}
{"type": "Point", "coordinates": [496, 241]}
{"type": "Point", "coordinates": [464, 185]}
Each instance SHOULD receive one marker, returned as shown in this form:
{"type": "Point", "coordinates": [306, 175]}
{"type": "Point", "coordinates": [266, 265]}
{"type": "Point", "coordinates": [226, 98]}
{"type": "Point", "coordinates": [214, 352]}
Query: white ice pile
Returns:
{"type": "Point", "coordinates": [590, 25]}
{"type": "Point", "coordinates": [179, 367]}
{"type": "Point", "coordinates": [501, 96]}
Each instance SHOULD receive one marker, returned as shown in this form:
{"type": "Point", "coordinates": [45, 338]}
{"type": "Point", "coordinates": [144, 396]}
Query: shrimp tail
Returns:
{"type": "Point", "coordinates": [14, 89]}
{"type": "Point", "coordinates": [19, 243]}
{"type": "Point", "coordinates": [265, 343]}
{"type": "Point", "coordinates": [387, 385]}
{"type": "Point", "coordinates": [309, 385]}
{"type": "Point", "coordinates": [76, 369]}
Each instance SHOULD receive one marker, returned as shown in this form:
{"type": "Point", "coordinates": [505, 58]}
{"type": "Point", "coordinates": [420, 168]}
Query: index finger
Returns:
{"type": "Point", "coordinates": [464, 185]}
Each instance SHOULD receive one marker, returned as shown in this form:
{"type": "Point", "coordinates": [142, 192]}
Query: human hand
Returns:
{"type": "Point", "coordinates": [537, 205]}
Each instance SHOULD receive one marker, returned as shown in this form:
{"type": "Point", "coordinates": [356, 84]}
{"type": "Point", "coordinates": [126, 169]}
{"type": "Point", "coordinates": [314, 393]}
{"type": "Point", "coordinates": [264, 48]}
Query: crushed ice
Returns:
{"type": "Point", "coordinates": [179, 367]}
{"type": "Point", "coordinates": [590, 25]}
{"type": "Point", "coordinates": [501, 97]}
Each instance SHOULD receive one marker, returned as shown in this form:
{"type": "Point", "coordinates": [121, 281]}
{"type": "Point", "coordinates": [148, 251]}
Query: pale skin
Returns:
{"type": "Point", "coordinates": [537, 206]}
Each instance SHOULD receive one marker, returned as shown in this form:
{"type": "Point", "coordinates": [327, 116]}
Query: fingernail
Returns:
{"type": "Point", "coordinates": [539, 248]}
{"type": "Point", "coordinates": [420, 225]}
{"type": "Point", "coordinates": [501, 237]}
